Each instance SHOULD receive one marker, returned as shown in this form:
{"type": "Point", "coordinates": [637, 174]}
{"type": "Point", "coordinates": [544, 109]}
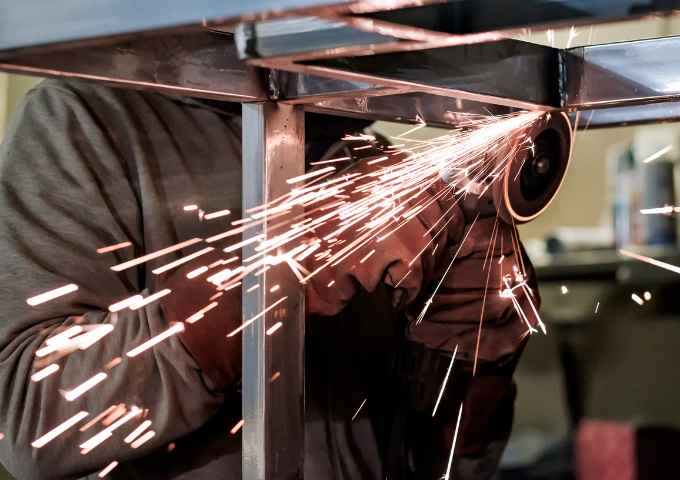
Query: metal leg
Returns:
{"type": "Point", "coordinates": [273, 405]}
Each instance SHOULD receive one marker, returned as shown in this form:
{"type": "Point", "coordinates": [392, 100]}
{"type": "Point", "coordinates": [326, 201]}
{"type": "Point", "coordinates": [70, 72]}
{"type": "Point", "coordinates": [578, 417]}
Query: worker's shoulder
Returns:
{"type": "Point", "coordinates": [69, 91]}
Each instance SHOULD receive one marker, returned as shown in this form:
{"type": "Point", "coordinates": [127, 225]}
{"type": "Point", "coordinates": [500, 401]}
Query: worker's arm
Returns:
{"type": "Point", "coordinates": [488, 330]}
{"type": "Point", "coordinates": [67, 188]}
{"type": "Point", "coordinates": [465, 312]}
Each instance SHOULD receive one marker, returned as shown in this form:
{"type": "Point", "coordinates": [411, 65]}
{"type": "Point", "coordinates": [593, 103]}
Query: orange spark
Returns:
{"type": "Point", "coordinates": [197, 272]}
{"type": "Point", "coordinates": [65, 335]}
{"type": "Point", "coordinates": [316, 173]}
{"type": "Point", "coordinates": [151, 256]}
{"type": "Point", "coordinates": [658, 154]}
{"type": "Point", "coordinates": [125, 303]}
{"type": "Point", "coordinates": [221, 213]}
{"type": "Point", "coordinates": [453, 446]}
{"type": "Point", "coordinates": [107, 432]}
{"type": "Point", "coordinates": [367, 256]}
{"type": "Point", "coordinates": [97, 418]}
{"type": "Point", "coordinates": [137, 431]}
{"type": "Point", "coordinates": [51, 295]}
{"type": "Point", "coordinates": [198, 315]}
{"type": "Point", "coordinates": [667, 266]}
{"type": "Point", "coordinates": [52, 434]}
{"type": "Point", "coordinates": [357, 413]}
{"type": "Point", "coordinates": [169, 266]}
{"type": "Point", "coordinates": [446, 379]}
{"type": "Point", "coordinates": [106, 471]}
{"type": "Point", "coordinates": [256, 317]}
{"type": "Point", "coordinates": [243, 243]}
{"type": "Point", "coordinates": [343, 159]}
{"type": "Point", "coordinates": [114, 247]}
{"type": "Point", "coordinates": [157, 339]}
{"type": "Point", "coordinates": [143, 439]}
{"type": "Point", "coordinates": [238, 426]}
{"type": "Point", "coordinates": [78, 391]}
{"type": "Point", "coordinates": [148, 300]}
{"type": "Point", "coordinates": [36, 377]}
{"type": "Point", "coordinates": [274, 328]}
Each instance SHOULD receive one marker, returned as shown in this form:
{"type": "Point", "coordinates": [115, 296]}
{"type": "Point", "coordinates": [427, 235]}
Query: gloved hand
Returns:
{"type": "Point", "coordinates": [469, 299]}
{"type": "Point", "coordinates": [206, 339]}
{"type": "Point", "coordinates": [461, 315]}
{"type": "Point", "coordinates": [405, 260]}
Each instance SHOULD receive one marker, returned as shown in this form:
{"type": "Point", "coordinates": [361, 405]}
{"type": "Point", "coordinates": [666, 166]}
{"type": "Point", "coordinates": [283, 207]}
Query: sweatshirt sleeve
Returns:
{"type": "Point", "coordinates": [65, 190]}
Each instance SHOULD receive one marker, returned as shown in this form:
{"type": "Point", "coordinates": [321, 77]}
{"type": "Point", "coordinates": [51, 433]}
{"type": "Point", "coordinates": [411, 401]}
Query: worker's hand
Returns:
{"type": "Point", "coordinates": [475, 299]}
{"type": "Point", "coordinates": [405, 260]}
{"type": "Point", "coordinates": [468, 312]}
{"type": "Point", "coordinates": [218, 356]}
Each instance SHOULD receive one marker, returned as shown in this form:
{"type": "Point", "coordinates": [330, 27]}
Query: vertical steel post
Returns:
{"type": "Point", "coordinates": [273, 365]}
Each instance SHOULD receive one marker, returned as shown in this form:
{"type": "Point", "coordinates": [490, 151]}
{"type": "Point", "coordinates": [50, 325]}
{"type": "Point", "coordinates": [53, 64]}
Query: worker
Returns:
{"type": "Point", "coordinates": [84, 167]}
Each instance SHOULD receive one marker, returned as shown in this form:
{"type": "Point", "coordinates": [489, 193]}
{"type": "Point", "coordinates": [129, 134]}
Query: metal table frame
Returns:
{"type": "Point", "coordinates": [396, 60]}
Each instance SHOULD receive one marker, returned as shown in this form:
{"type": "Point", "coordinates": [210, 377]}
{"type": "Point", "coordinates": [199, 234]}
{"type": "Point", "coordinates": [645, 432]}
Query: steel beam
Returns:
{"type": "Point", "coordinates": [198, 64]}
{"type": "Point", "coordinates": [31, 23]}
{"type": "Point", "coordinates": [625, 116]}
{"type": "Point", "coordinates": [509, 72]}
{"type": "Point", "coordinates": [273, 365]}
{"type": "Point", "coordinates": [627, 73]}
{"type": "Point", "coordinates": [429, 25]}
{"type": "Point", "coordinates": [296, 37]}
{"type": "Point", "coordinates": [473, 17]}
{"type": "Point", "coordinates": [414, 107]}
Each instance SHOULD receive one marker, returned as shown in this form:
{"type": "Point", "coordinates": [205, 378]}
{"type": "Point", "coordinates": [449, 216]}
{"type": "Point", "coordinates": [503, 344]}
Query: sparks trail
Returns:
{"type": "Point", "coordinates": [446, 379]}
{"type": "Point", "coordinates": [364, 206]}
{"type": "Point", "coordinates": [347, 214]}
{"type": "Point", "coordinates": [453, 446]}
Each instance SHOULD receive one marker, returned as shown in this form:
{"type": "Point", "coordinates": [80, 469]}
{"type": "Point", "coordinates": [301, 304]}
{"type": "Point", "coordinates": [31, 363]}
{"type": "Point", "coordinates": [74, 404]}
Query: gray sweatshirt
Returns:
{"type": "Point", "coordinates": [83, 167]}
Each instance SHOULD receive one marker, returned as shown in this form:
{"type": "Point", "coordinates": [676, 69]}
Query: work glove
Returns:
{"type": "Point", "coordinates": [474, 296]}
{"type": "Point", "coordinates": [404, 260]}
{"type": "Point", "coordinates": [474, 314]}
{"type": "Point", "coordinates": [205, 337]}
{"type": "Point", "coordinates": [467, 300]}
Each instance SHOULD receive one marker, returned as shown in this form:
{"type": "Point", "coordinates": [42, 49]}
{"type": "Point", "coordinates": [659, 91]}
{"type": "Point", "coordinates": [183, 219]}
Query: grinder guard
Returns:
{"type": "Point", "coordinates": [531, 180]}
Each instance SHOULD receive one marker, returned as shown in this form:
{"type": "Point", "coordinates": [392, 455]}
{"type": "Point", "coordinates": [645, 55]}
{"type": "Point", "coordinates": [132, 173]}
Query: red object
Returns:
{"type": "Point", "coordinates": [619, 451]}
{"type": "Point", "coordinates": [605, 451]}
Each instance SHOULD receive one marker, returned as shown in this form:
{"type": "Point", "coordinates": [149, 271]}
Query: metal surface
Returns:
{"type": "Point", "coordinates": [469, 17]}
{"type": "Point", "coordinates": [430, 25]}
{"type": "Point", "coordinates": [435, 110]}
{"type": "Point", "coordinates": [200, 65]}
{"type": "Point", "coordinates": [508, 72]}
{"type": "Point", "coordinates": [273, 407]}
{"type": "Point", "coordinates": [624, 73]}
{"type": "Point", "coordinates": [297, 36]}
{"type": "Point", "coordinates": [40, 22]}
{"type": "Point", "coordinates": [623, 116]}
{"type": "Point", "coordinates": [36, 22]}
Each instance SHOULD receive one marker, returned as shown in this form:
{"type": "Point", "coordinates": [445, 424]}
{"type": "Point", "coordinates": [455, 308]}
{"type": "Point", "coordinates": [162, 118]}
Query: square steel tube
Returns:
{"type": "Point", "coordinates": [273, 365]}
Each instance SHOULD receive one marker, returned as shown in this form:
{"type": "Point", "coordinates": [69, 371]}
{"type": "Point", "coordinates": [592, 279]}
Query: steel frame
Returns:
{"type": "Point", "coordinates": [398, 60]}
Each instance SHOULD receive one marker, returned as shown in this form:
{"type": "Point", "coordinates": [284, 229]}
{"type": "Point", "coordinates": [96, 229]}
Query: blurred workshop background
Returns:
{"type": "Point", "coordinates": [601, 388]}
